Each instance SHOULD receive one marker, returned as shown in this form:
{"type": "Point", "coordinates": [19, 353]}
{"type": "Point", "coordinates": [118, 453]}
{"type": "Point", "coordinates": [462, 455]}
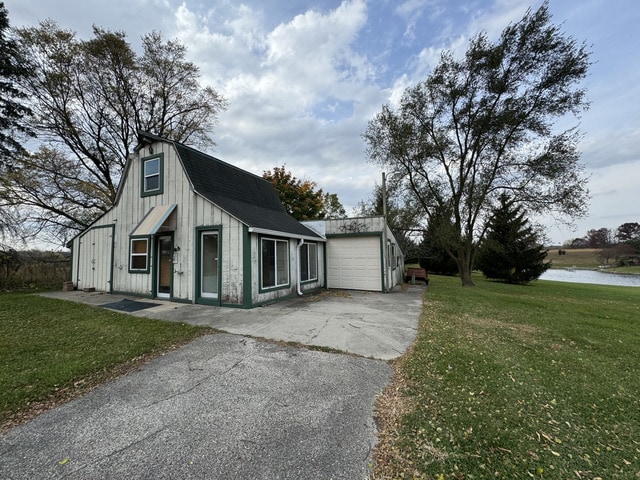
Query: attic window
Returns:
{"type": "Point", "coordinates": [152, 175]}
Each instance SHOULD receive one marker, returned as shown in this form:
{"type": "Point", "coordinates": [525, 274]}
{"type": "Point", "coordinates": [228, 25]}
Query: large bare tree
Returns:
{"type": "Point", "coordinates": [486, 124]}
{"type": "Point", "coordinates": [89, 99]}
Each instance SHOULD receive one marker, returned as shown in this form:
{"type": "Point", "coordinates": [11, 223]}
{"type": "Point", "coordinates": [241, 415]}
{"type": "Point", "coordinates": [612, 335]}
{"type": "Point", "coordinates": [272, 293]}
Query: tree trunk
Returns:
{"type": "Point", "coordinates": [464, 261]}
{"type": "Point", "coordinates": [465, 276]}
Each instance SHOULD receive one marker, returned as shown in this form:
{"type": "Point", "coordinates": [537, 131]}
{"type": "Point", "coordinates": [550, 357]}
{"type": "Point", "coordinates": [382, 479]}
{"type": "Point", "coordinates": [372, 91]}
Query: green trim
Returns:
{"type": "Point", "coordinates": [284, 297]}
{"type": "Point", "coordinates": [317, 277]}
{"type": "Point", "coordinates": [324, 261]}
{"type": "Point", "coordinates": [247, 292]}
{"type": "Point", "coordinates": [70, 247]}
{"type": "Point", "coordinates": [356, 234]}
{"type": "Point", "coordinates": [160, 189]}
{"type": "Point", "coordinates": [275, 288]}
{"type": "Point", "coordinates": [156, 260]}
{"type": "Point", "coordinates": [113, 250]}
{"type": "Point", "coordinates": [198, 265]}
{"type": "Point", "coordinates": [392, 258]}
{"type": "Point", "coordinates": [186, 301]}
{"type": "Point", "coordinates": [236, 305]}
{"type": "Point", "coordinates": [140, 237]}
{"type": "Point", "coordinates": [132, 294]}
{"type": "Point", "coordinates": [383, 266]}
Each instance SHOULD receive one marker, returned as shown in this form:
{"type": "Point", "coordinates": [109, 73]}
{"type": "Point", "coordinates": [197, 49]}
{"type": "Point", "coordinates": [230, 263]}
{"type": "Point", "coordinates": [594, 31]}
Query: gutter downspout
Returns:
{"type": "Point", "coordinates": [300, 243]}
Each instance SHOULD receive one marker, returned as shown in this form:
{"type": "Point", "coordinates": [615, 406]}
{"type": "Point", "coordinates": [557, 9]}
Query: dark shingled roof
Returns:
{"type": "Point", "coordinates": [251, 199]}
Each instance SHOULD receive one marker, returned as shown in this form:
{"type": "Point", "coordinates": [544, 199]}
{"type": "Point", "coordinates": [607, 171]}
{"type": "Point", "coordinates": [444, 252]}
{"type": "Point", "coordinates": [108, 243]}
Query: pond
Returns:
{"type": "Point", "coordinates": [591, 276]}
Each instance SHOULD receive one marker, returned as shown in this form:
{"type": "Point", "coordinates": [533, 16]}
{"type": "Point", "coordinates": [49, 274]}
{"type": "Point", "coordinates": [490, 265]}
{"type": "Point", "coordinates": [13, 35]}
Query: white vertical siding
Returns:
{"type": "Point", "coordinates": [94, 250]}
{"type": "Point", "coordinates": [192, 211]}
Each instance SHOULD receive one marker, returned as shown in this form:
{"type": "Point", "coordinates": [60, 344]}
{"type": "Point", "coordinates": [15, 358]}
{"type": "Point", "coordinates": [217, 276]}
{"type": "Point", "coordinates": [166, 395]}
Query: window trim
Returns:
{"type": "Point", "coordinates": [309, 260]}
{"type": "Point", "coordinates": [198, 292]}
{"type": "Point", "coordinates": [393, 256]}
{"type": "Point", "coordinates": [158, 191]}
{"type": "Point", "coordinates": [276, 285]}
{"type": "Point", "coordinates": [132, 239]}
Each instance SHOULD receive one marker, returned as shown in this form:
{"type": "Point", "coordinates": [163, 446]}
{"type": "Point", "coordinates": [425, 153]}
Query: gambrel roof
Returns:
{"type": "Point", "coordinates": [249, 198]}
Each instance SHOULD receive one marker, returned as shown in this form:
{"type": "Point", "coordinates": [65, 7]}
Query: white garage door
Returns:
{"type": "Point", "coordinates": [354, 263]}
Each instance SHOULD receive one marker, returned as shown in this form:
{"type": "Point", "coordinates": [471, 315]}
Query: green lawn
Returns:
{"type": "Point", "coordinates": [51, 350]}
{"type": "Point", "coordinates": [538, 381]}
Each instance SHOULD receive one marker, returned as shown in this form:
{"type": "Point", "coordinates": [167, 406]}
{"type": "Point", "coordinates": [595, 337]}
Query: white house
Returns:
{"type": "Point", "coordinates": [188, 227]}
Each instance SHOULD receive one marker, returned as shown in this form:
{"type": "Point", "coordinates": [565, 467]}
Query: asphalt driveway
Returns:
{"type": "Point", "coordinates": [229, 406]}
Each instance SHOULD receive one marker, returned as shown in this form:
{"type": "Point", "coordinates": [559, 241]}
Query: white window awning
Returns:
{"type": "Point", "coordinates": [157, 219]}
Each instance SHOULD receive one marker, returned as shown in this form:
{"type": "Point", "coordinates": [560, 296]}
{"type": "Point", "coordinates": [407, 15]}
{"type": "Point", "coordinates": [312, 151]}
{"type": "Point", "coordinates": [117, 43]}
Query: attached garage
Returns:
{"type": "Point", "coordinates": [354, 262]}
{"type": "Point", "coordinates": [362, 253]}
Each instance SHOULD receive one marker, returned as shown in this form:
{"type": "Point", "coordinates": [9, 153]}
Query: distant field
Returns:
{"type": "Point", "coordinates": [585, 258]}
{"type": "Point", "coordinates": [582, 258]}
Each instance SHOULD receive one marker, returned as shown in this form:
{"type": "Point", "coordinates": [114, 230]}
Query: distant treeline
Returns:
{"type": "Point", "coordinates": [33, 269]}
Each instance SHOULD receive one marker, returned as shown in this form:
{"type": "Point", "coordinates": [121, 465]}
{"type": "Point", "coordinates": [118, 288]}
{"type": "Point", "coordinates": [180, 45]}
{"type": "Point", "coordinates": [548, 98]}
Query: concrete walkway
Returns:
{"type": "Point", "coordinates": [228, 406]}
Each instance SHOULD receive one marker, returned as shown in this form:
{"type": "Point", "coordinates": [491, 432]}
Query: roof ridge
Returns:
{"type": "Point", "coordinates": [199, 152]}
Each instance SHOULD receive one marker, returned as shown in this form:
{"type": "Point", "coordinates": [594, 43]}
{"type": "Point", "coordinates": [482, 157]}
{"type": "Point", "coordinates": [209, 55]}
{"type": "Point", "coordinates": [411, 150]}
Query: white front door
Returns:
{"type": "Point", "coordinates": [209, 264]}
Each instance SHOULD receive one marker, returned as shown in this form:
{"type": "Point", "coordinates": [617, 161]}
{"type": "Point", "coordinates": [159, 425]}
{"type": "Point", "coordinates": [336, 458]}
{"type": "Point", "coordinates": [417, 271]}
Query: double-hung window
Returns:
{"type": "Point", "coordinates": [139, 255]}
{"type": "Point", "coordinates": [274, 262]}
{"type": "Point", "coordinates": [152, 175]}
{"type": "Point", "coordinates": [308, 262]}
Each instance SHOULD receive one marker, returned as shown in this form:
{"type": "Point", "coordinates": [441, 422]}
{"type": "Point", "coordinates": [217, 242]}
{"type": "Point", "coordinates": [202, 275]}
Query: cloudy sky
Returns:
{"type": "Point", "coordinates": [303, 77]}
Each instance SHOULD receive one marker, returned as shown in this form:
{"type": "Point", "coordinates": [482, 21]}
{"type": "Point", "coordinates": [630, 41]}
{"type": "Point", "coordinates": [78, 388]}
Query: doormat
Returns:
{"type": "Point", "coordinates": [129, 306]}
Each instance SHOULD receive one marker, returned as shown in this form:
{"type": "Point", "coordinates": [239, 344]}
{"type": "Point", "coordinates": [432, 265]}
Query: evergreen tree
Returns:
{"type": "Point", "coordinates": [12, 100]}
{"type": "Point", "coordinates": [511, 251]}
{"type": "Point", "coordinates": [12, 129]}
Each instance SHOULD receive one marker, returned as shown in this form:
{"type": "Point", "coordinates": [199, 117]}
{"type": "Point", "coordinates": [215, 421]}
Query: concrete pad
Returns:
{"type": "Point", "coordinates": [376, 325]}
{"type": "Point", "coordinates": [223, 406]}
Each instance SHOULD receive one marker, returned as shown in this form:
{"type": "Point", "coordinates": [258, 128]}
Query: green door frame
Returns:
{"type": "Point", "coordinates": [198, 264]}
{"type": "Point", "coordinates": [156, 263]}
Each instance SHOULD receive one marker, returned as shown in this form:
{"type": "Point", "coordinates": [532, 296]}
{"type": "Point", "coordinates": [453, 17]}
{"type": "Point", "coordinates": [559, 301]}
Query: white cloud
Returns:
{"type": "Point", "coordinates": [303, 78]}
{"type": "Point", "coordinates": [411, 11]}
{"type": "Point", "coordinates": [282, 85]}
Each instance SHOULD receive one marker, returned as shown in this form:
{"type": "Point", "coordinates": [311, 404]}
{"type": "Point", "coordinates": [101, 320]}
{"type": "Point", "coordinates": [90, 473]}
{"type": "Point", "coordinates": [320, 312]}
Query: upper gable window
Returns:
{"type": "Point", "coordinates": [152, 175]}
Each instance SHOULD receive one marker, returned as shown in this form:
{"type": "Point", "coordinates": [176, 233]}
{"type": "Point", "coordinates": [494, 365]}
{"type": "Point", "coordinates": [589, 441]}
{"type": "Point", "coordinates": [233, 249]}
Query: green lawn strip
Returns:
{"type": "Point", "coordinates": [520, 381]}
{"type": "Point", "coordinates": [51, 349]}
